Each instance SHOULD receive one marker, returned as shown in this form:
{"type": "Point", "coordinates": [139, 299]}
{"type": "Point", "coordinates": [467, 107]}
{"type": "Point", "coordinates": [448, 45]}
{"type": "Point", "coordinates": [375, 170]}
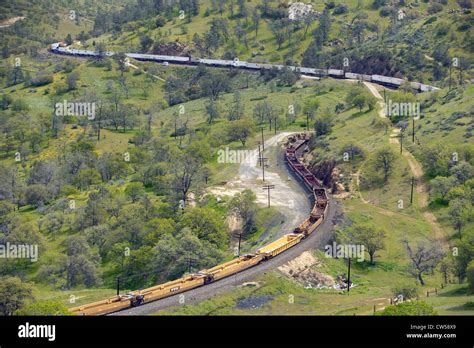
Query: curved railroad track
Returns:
{"type": "Point", "coordinates": [314, 231]}
{"type": "Point", "coordinates": [315, 240]}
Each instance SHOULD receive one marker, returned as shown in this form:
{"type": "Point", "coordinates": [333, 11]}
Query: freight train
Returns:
{"type": "Point", "coordinates": [293, 147]}
{"type": "Point", "coordinates": [222, 63]}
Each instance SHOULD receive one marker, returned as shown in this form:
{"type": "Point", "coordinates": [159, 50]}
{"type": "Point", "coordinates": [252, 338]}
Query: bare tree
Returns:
{"type": "Point", "coordinates": [424, 257]}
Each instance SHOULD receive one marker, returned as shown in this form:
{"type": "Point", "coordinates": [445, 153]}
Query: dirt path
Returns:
{"type": "Point", "coordinates": [10, 21]}
{"type": "Point", "coordinates": [137, 68]}
{"type": "Point", "coordinates": [288, 196]}
{"type": "Point", "coordinates": [417, 171]}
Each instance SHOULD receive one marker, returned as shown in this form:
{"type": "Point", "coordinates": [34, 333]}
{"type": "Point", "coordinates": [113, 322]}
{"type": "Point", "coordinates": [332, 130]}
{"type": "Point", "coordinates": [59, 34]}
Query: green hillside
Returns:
{"type": "Point", "coordinates": [127, 193]}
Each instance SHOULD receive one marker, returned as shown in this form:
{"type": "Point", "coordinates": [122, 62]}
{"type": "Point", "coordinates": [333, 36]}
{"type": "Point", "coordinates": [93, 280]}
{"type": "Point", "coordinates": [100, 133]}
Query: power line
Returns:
{"type": "Point", "coordinates": [268, 188]}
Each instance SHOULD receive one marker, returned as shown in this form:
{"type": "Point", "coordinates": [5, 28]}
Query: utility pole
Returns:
{"type": "Point", "coordinates": [190, 264]}
{"type": "Point", "coordinates": [349, 274]}
{"type": "Point", "coordinates": [450, 65]}
{"type": "Point", "coordinates": [240, 239]}
{"type": "Point", "coordinates": [175, 126]}
{"type": "Point", "coordinates": [268, 188]}
{"type": "Point", "coordinates": [401, 142]}
{"type": "Point", "coordinates": [118, 286]}
{"type": "Point", "coordinates": [413, 135]}
{"type": "Point", "coordinates": [263, 160]}
{"type": "Point", "coordinates": [259, 154]}
{"type": "Point", "coordinates": [263, 140]}
{"type": "Point", "coordinates": [412, 186]}
{"type": "Point", "coordinates": [307, 122]}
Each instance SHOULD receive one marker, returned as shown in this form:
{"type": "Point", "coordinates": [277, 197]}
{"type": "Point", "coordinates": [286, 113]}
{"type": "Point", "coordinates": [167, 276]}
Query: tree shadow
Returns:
{"type": "Point", "coordinates": [463, 291]}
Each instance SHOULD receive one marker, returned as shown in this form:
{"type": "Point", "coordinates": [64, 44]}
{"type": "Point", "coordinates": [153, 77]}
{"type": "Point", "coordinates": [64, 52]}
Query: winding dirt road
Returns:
{"type": "Point", "coordinates": [288, 196]}
{"type": "Point", "coordinates": [417, 171]}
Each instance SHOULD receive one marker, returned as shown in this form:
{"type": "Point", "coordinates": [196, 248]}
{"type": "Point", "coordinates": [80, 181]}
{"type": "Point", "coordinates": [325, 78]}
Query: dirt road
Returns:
{"type": "Point", "coordinates": [250, 177]}
{"type": "Point", "coordinates": [10, 21]}
{"type": "Point", "coordinates": [417, 171]}
{"type": "Point", "coordinates": [288, 197]}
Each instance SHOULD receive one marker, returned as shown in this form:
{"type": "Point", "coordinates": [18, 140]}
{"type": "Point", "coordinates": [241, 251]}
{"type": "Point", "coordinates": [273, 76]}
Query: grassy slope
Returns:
{"type": "Point", "coordinates": [263, 46]}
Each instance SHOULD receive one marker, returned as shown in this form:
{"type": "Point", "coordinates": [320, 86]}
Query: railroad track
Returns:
{"type": "Point", "coordinates": [59, 48]}
{"type": "Point", "coordinates": [314, 241]}
{"type": "Point", "coordinates": [285, 248]}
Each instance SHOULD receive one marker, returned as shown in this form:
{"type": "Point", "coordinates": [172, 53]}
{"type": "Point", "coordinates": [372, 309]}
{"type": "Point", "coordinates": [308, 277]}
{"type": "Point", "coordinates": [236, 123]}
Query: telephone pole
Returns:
{"type": "Point", "coordinates": [240, 239]}
{"type": "Point", "coordinates": [259, 154]}
{"type": "Point", "coordinates": [413, 135]}
{"type": "Point", "coordinates": [449, 88]}
{"type": "Point", "coordinates": [118, 286]}
{"type": "Point", "coordinates": [412, 186]}
{"type": "Point", "coordinates": [263, 160]}
{"type": "Point", "coordinates": [268, 188]}
{"type": "Point", "coordinates": [263, 140]}
{"type": "Point", "coordinates": [190, 264]}
{"type": "Point", "coordinates": [401, 142]}
{"type": "Point", "coordinates": [349, 274]}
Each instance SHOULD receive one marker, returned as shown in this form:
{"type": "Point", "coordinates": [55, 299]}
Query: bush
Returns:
{"type": "Point", "coordinates": [435, 8]}
{"type": "Point", "coordinates": [408, 308]}
{"type": "Point", "coordinates": [340, 9]}
{"type": "Point", "coordinates": [378, 3]}
{"type": "Point", "coordinates": [470, 276]}
{"type": "Point", "coordinates": [41, 80]}
{"type": "Point", "coordinates": [134, 191]}
{"type": "Point", "coordinates": [406, 292]}
{"type": "Point", "coordinates": [442, 30]}
{"type": "Point", "coordinates": [20, 105]}
{"type": "Point", "coordinates": [44, 308]}
{"type": "Point", "coordinates": [37, 195]}
{"type": "Point", "coordinates": [160, 22]}
{"type": "Point", "coordinates": [465, 3]}
{"type": "Point", "coordinates": [386, 11]}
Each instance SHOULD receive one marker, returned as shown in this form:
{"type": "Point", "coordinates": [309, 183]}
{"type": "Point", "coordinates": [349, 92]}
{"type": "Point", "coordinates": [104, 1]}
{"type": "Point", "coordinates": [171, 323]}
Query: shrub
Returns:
{"type": "Point", "coordinates": [44, 308]}
{"type": "Point", "coordinates": [406, 292]}
{"type": "Point", "coordinates": [340, 9]}
{"type": "Point", "coordinates": [409, 308]}
{"type": "Point", "coordinates": [41, 80]}
{"type": "Point", "coordinates": [470, 276]}
{"type": "Point", "coordinates": [465, 3]}
{"type": "Point", "coordinates": [160, 22]}
{"type": "Point", "coordinates": [435, 8]}
{"type": "Point", "coordinates": [386, 11]}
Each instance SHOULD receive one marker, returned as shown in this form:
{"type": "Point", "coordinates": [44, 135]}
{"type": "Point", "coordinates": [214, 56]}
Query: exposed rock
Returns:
{"type": "Point", "coordinates": [298, 11]}
{"type": "Point", "coordinates": [301, 269]}
{"type": "Point", "coordinates": [174, 48]}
